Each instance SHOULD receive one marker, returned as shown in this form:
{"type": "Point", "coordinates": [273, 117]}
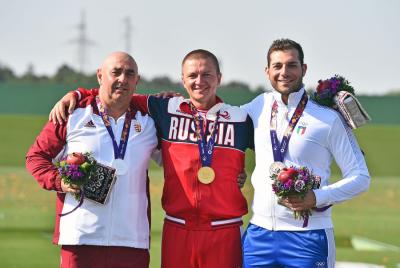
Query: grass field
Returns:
{"type": "Point", "coordinates": [27, 212]}
{"type": "Point", "coordinates": [27, 218]}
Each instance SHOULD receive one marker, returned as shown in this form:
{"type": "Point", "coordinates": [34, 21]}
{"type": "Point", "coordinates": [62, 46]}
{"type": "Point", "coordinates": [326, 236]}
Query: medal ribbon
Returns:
{"type": "Point", "coordinates": [82, 196]}
{"type": "Point", "coordinates": [280, 148]}
{"type": "Point", "coordinates": [206, 149]}
{"type": "Point", "coordinates": [119, 151]}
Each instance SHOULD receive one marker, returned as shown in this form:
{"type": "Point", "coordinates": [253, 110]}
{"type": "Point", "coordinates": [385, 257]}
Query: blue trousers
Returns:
{"type": "Point", "coordinates": [263, 248]}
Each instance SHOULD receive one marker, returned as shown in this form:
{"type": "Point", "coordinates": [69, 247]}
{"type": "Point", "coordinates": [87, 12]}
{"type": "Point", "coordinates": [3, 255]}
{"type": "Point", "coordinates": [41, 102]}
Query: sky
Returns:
{"type": "Point", "coordinates": [359, 39]}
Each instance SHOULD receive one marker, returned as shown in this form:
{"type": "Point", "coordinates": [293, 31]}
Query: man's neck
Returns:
{"type": "Point", "coordinates": [205, 106]}
{"type": "Point", "coordinates": [115, 110]}
{"type": "Point", "coordinates": [285, 98]}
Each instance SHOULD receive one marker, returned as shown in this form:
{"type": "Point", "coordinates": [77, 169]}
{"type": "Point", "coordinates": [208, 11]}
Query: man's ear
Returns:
{"type": "Point", "coordinates": [304, 67]}
{"type": "Point", "coordinates": [266, 71]}
{"type": "Point", "coordinates": [99, 76]}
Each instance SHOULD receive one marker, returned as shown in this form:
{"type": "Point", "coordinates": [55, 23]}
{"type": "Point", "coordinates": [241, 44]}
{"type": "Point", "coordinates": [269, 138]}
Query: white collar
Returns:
{"type": "Point", "coordinates": [293, 100]}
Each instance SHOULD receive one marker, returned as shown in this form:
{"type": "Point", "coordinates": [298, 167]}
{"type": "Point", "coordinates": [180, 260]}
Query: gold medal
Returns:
{"type": "Point", "coordinates": [206, 175]}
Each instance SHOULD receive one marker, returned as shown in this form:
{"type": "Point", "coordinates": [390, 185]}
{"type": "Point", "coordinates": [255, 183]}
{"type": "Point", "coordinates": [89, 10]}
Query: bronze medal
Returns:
{"type": "Point", "coordinates": [276, 167]}
{"type": "Point", "coordinates": [206, 175]}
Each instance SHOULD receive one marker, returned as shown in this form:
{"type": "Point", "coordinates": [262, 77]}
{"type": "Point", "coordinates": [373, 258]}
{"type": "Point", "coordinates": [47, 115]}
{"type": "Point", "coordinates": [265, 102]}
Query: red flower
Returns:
{"type": "Point", "coordinates": [292, 173]}
{"type": "Point", "coordinates": [287, 174]}
{"type": "Point", "coordinates": [323, 86]}
{"type": "Point", "coordinates": [75, 159]}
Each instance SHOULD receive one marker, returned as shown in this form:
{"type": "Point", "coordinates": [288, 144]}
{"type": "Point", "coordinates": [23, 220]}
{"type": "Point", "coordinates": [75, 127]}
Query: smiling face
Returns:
{"type": "Point", "coordinates": [201, 79]}
{"type": "Point", "coordinates": [117, 78]}
{"type": "Point", "coordinates": [285, 71]}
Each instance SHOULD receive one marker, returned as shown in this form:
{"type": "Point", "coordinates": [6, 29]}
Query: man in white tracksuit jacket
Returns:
{"type": "Point", "coordinates": [274, 237]}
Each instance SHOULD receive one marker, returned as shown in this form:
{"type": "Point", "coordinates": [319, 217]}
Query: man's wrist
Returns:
{"type": "Point", "coordinates": [57, 184]}
{"type": "Point", "coordinates": [77, 95]}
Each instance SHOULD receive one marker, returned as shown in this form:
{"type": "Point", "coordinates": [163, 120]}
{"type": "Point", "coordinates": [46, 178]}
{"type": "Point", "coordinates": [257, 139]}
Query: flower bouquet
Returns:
{"type": "Point", "coordinates": [327, 90]}
{"type": "Point", "coordinates": [337, 93]}
{"type": "Point", "coordinates": [76, 169]}
{"type": "Point", "coordinates": [293, 181]}
{"type": "Point", "coordinates": [94, 179]}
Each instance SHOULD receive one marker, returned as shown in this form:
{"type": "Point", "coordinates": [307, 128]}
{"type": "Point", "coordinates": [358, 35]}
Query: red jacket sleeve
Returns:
{"type": "Point", "coordinates": [139, 101]}
{"type": "Point", "coordinates": [83, 93]}
{"type": "Point", "coordinates": [47, 146]}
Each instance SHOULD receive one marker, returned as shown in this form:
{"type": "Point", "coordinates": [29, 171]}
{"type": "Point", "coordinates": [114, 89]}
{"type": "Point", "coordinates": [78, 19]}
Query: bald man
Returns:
{"type": "Point", "coordinates": [114, 234]}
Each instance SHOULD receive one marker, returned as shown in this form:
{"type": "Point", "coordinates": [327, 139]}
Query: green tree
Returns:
{"type": "Point", "coordinates": [6, 73]}
{"type": "Point", "coordinates": [67, 75]}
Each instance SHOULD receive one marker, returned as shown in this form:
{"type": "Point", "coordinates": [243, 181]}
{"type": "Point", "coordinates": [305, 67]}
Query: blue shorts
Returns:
{"type": "Point", "coordinates": [266, 249]}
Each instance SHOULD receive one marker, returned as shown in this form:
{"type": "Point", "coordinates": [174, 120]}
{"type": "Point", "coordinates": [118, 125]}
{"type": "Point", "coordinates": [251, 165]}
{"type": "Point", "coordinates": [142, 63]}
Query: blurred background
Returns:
{"type": "Point", "coordinates": [50, 47]}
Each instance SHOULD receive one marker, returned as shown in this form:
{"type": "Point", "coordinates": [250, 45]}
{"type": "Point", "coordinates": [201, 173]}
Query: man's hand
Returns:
{"type": "Point", "coordinates": [241, 179]}
{"type": "Point", "coordinates": [57, 114]}
{"type": "Point", "coordinates": [296, 203]}
{"type": "Point", "coordinates": [73, 189]}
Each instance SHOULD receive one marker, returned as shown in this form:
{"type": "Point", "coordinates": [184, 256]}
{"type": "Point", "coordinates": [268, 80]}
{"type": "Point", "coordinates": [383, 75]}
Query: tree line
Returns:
{"type": "Point", "coordinates": [69, 76]}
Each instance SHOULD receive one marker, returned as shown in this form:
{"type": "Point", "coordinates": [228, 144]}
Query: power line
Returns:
{"type": "Point", "coordinates": [128, 34]}
{"type": "Point", "coordinates": [83, 42]}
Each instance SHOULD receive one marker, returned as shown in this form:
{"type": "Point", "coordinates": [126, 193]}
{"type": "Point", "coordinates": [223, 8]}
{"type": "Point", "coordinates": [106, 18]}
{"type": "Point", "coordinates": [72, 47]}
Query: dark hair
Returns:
{"type": "Point", "coordinates": [202, 54]}
{"type": "Point", "coordinates": [285, 44]}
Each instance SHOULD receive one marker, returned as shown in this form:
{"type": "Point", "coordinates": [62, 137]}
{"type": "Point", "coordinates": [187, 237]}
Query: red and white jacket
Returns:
{"type": "Point", "coordinates": [124, 219]}
{"type": "Point", "coordinates": [184, 197]}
